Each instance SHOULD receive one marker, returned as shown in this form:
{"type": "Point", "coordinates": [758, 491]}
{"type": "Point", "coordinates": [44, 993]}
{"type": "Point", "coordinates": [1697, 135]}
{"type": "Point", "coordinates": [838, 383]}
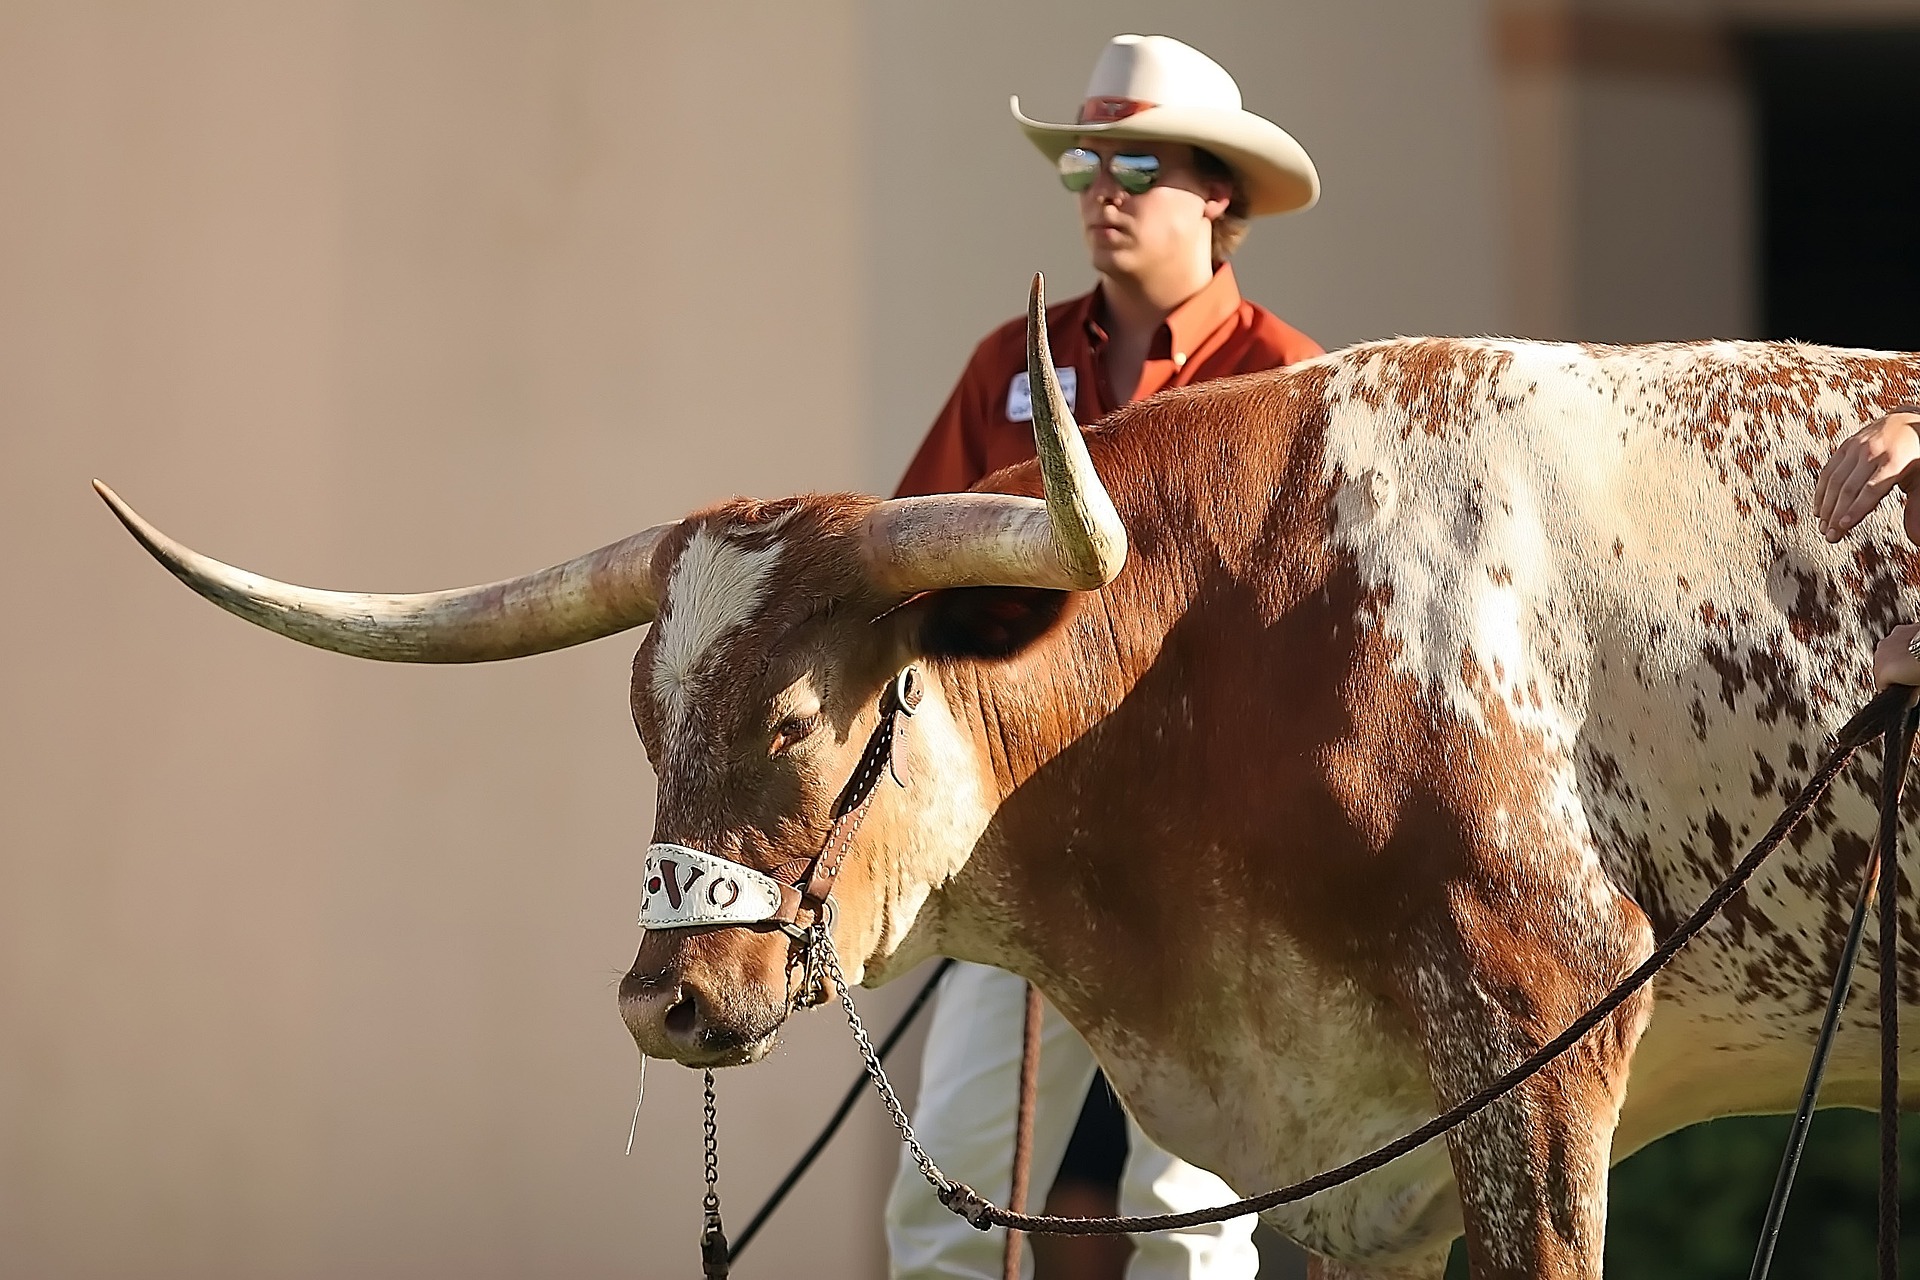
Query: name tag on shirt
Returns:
{"type": "Point", "coordinates": [1020, 393]}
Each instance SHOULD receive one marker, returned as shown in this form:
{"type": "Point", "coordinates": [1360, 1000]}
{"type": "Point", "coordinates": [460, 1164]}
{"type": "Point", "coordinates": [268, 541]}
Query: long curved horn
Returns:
{"type": "Point", "coordinates": [1073, 540]}
{"type": "Point", "coordinates": [590, 596]}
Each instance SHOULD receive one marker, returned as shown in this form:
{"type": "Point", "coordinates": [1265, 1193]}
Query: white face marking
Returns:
{"type": "Point", "coordinates": [715, 589]}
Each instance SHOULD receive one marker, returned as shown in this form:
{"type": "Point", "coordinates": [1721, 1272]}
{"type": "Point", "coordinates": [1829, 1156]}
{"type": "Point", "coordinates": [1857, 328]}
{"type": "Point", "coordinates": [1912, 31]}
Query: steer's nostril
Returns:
{"type": "Point", "coordinates": [683, 1017]}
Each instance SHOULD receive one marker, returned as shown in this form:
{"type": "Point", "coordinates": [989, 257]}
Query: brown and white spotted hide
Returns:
{"type": "Point", "coordinates": [1444, 677]}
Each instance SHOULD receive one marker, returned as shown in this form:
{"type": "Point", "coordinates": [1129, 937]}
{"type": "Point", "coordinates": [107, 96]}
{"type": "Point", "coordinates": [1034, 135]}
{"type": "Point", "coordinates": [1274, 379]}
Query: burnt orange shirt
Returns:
{"type": "Point", "coordinates": [988, 421]}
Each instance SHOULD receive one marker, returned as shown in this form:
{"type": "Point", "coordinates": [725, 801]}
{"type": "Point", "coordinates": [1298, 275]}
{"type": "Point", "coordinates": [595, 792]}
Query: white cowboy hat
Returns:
{"type": "Point", "coordinates": [1156, 88]}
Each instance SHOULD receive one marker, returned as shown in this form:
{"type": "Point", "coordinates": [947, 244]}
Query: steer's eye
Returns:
{"type": "Point", "coordinates": [791, 731]}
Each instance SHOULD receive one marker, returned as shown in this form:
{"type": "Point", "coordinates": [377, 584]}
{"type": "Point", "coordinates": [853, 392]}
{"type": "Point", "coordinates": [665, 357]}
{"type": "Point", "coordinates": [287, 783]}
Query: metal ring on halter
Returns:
{"type": "Point", "coordinates": [804, 933]}
{"type": "Point", "coordinates": [906, 690]}
{"type": "Point", "coordinates": [813, 987]}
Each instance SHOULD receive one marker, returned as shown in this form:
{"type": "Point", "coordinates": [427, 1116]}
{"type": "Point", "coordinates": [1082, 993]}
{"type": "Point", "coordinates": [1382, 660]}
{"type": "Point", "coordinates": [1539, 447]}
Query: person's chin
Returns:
{"type": "Point", "coordinates": [1109, 258]}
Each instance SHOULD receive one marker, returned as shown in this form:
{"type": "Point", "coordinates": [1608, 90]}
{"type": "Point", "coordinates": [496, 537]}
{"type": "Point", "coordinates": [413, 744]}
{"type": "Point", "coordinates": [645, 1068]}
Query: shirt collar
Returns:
{"type": "Point", "coordinates": [1194, 320]}
{"type": "Point", "coordinates": [1190, 323]}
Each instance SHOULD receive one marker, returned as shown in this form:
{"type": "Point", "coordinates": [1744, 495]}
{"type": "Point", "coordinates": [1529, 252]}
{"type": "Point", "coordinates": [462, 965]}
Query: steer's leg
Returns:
{"type": "Point", "coordinates": [1518, 962]}
{"type": "Point", "coordinates": [1319, 1268]}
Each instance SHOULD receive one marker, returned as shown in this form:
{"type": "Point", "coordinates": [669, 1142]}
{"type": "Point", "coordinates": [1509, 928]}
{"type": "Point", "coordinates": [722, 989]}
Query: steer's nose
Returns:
{"type": "Point", "coordinates": [674, 1018]}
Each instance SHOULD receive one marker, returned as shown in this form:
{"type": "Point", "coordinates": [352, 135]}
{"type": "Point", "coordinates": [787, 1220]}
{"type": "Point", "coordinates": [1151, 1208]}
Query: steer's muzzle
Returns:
{"type": "Point", "coordinates": [716, 999]}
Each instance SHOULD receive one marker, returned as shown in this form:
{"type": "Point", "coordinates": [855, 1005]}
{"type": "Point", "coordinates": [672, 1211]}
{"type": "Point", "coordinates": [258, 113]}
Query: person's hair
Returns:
{"type": "Point", "coordinates": [1230, 228]}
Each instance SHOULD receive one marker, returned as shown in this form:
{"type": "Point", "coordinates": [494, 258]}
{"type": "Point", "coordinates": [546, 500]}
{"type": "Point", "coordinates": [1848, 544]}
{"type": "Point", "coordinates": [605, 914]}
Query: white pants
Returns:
{"type": "Point", "coordinates": [969, 1093]}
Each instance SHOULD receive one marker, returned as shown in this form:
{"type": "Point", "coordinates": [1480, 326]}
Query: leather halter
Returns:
{"type": "Point", "coordinates": [737, 896]}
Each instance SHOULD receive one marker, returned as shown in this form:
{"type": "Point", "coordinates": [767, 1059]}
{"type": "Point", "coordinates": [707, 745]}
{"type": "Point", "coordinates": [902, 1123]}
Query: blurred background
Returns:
{"type": "Point", "coordinates": [307, 965]}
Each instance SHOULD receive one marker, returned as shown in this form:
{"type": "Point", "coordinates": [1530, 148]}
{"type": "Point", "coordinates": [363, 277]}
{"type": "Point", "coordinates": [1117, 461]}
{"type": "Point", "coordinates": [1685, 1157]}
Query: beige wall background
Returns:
{"type": "Point", "coordinates": [306, 965]}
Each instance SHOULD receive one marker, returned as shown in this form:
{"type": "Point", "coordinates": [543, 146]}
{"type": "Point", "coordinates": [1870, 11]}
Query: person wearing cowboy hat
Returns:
{"type": "Point", "coordinates": [1167, 169]}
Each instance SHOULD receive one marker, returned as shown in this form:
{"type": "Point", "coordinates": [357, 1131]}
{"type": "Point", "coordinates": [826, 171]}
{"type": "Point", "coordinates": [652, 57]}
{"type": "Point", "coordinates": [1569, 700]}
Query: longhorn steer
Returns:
{"type": "Point", "coordinates": [1442, 678]}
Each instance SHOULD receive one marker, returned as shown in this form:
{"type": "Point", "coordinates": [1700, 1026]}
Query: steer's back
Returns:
{"type": "Point", "coordinates": [1617, 546]}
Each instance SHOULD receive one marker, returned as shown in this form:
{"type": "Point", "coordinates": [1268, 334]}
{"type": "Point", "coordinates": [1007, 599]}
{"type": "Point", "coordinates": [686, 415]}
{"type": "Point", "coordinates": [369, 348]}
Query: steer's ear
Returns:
{"type": "Point", "coordinates": [987, 622]}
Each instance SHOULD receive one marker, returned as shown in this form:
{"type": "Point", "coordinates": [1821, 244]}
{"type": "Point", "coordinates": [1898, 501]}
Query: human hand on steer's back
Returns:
{"type": "Point", "coordinates": [1865, 469]}
{"type": "Point", "coordinates": [1862, 471]}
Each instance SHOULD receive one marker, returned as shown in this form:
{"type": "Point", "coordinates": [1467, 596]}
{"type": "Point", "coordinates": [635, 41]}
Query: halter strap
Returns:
{"type": "Point", "coordinates": [688, 887]}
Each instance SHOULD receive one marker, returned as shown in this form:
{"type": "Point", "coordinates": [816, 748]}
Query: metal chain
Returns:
{"type": "Point", "coordinates": [710, 1123]}
{"type": "Point", "coordinates": [823, 943]}
{"type": "Point", "coordinates": [715, 1257]}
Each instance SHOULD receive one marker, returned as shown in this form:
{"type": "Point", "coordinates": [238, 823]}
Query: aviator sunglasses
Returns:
{"type": "Point", "coordinates": [1132, 174]}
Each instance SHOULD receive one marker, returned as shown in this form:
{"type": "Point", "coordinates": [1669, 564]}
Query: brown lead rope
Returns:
{"type": "Point", "coordinates": [1884, 713]}
{"type": "Point", "coordinates": [1023, 1128]}
{"type": "Point", "coordinates": [1882, 858]}
{"type": "Point", "coordinates": [1893, 776]}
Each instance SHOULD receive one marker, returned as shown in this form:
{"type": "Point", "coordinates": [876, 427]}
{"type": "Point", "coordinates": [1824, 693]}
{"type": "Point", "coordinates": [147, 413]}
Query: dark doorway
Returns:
{"type": "Point", "coordinates": [1838, 150]}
